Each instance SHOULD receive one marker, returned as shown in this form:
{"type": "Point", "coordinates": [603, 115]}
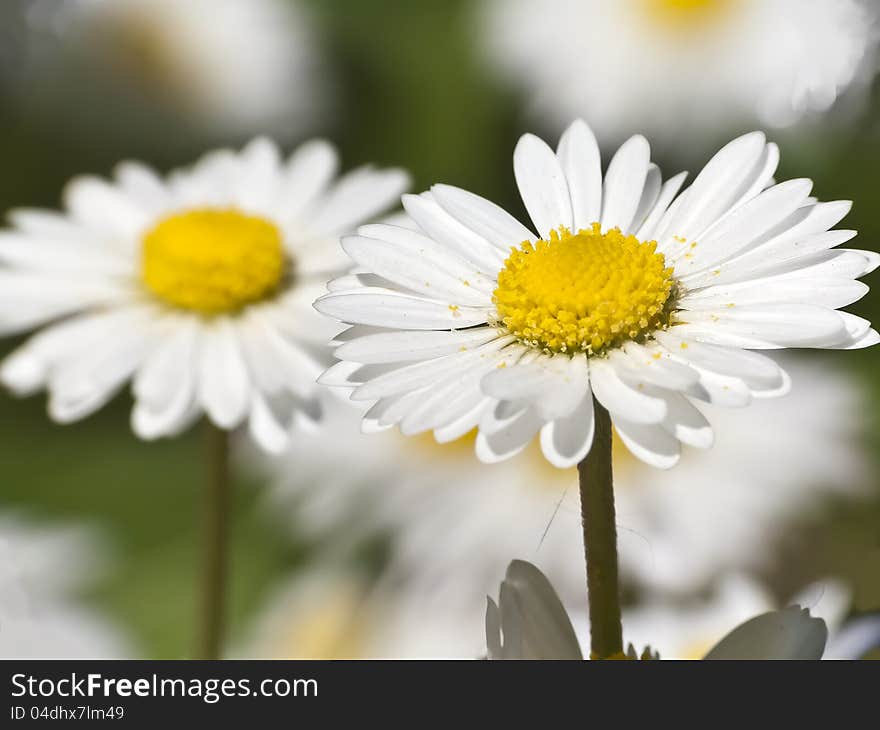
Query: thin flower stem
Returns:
{"type": "Point", "coordinates": [600, 540]}
{"type": "Point", "coordinates": [215, 531]}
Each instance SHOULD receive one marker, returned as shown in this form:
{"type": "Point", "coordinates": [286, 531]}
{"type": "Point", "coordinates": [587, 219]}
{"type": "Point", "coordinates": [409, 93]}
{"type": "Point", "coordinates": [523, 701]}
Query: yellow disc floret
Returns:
{"type": "Point", "coordinates": [213, 261]}
{"type": "Point", "coordinates": [586, 292]}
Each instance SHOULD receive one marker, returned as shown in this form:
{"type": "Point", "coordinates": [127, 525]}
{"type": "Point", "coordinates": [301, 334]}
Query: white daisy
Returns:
{"type": "Point", "coordinates": [324, 612]}
{"type": "Point", "coordinates": [688, 631]}
{"type": "Point", "coordinates": [232, 65]}
{"type": "Point", "coordinates": [197, 287]}
{"type": "Point", "coordinates": [41, 571]}
{"type": "Point", "coordinates": [680, 67]}
{"type": "Point", "coordinates": [627, 294]}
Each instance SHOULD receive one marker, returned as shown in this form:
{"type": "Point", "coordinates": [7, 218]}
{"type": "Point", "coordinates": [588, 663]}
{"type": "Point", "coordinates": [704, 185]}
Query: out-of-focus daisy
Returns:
{"type": "Point", "coordinates": [41, 571]}
{"type": "Point", "coordinates": [688, 631]}
{"type": "Point", "coordinates": [529, 622]}
{"type": "Point", "coordinates": [628, 296]}
{"type": "Point", "coordinates": [197, 287]}
{"type": "Point", "coordinates": [453, 518]}
{"type": "Point", "coordinates": [680, 67]}
{"type": "Point", "coordinates": [324, 612]}
{"type": "Point", "coordinates": [330, 612]}
{"type": "Point", "coordinates": [230, 65]}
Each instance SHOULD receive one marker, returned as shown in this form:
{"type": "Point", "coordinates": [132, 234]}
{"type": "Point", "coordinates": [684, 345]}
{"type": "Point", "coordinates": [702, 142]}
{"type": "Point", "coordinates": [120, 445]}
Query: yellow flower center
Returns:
{"type": "Point", "coordinates": [685, 13]}
{"type": "Point", "coordinates": [587, 292]}
{"type": "Point", "coordinates": [213, 261]}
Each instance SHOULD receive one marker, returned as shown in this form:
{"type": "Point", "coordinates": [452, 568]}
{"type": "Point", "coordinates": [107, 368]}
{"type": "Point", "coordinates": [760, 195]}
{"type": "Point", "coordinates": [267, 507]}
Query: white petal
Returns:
{"type": "Point", "coordinates": [686, 423]}
{"type": "Point", "coordinates": [869, 339]}
{"type": "Point", "coordinates": [272, 436]}
{"type": "Point", "coordinates": [355, 198]}
{"type": "Point", "coordinates": [651, 444]}
{"type": "Point", "coordinates": [24, 251]}
{"type": "Point", "coordinates": [486, 219]}
{"type": "Point", "coordinates": [49, 224]}
{"type": "Point", "coordinates": [509, 441]}
{"type": "Point", "coordinates": [144, 186]}
{"type": "Point", "coordinates": [421, 374]}
{"type": "Point", "coordinates": [832, 292]}
{"type": "Point", "coordinates": [309, 171]}
{"type": "Point", "coordinates": [766, 259]}
{"type": "Point", "coordinates": [27, 368]}
{"type": "Point", "coordinates": [260, 176]}
{"type": "Point", "coordinates": [416, 270]}
{"type": "Point", "coordinates": [719, 185]}
{"type": "Point", "coordinates": [755, 369]}
{"type": "Point", "coordinates": [579, 156]}
{"type": "Point", "coordinates": [416, 256]}
{"type": "Point", "coordinates": [625, 183]}
{"type": "Point", "coordinates": [385, 308]}
{"type": "Point", "coordinates": [463, 402]}
{"type": "Point", "coordinates": [763, 177]}
{"type": "Point", "coordinates": [722, 390]}
{"type": "Point", "coordinates": [413, 345]}
{"type": "Point", "coordinates": [553, 385]}
{"type": "Point", "coordinates": [566, 441]}
{"type": "Point", "coordinates": [740, 229]}
{"type": "Point", "coordinates": [667, 193]}
{"type": "Point", "coordinates": [542, 184]}
{"type": "Point", "coordinates": [88, 381]}
{"type": "Point", "coordinates": [400, 406]}
{"type": "Point", "coordinates": [277, 362]}
{"type": "Point", "coordinates": [103, 207]}
{"type": "Point", "coordinates": [640, 364]}
{"type": "Point", "coordinates": [650, 195]}
{"type": "Point", "coordinates": [786, 325]}
{"type": "Point", "coordinates": [449, 232]}
{"type": "Point", "coordinates": [223, 383]}
{"type": "Point", "coordinates": [342, 374]}
{"type": "Point", "coordinates": [164, 386]}
{"type": "Point", "coordinates": [28, 298]}
{"type": "Point", "coordinates": [620, 399]}
{"type": "Point", "coordinates": [159, 377]}
{"type": "Point", "coordinates": [463, 423]}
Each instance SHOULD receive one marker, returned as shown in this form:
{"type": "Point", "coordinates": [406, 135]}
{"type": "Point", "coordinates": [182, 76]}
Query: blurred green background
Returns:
{"type": "Point", "coordinates": [409, 89]}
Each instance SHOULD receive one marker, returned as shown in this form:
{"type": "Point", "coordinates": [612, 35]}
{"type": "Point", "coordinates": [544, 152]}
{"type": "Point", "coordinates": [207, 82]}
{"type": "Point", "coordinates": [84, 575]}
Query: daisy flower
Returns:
{"type": "Point", "coordinates": [530, 622]}
{"type": "Point", "coordinates": [680, 67]}
{"type": "Point", "coordinates": [41, 571]}
{"type": "Point", "coordinates": [630, 296]}
{"type": "Point", "coordinates": [230, 65]}
{"type": "Point", "coordinates": [689, 630]}
{"type": "Point", "coordinates": [197, 288]}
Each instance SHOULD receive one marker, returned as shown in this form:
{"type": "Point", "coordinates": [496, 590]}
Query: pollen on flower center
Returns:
{"type": "Point", "coordinates": [587, 292]}
{"type": "Point", "coordinates": [213, 260]}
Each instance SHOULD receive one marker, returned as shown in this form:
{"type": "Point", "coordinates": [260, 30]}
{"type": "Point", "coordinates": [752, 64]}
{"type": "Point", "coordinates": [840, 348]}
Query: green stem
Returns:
{"type": "Point", "coordinates": [600, 540]}
{"type": "Point", "coordinates": [215, 529]}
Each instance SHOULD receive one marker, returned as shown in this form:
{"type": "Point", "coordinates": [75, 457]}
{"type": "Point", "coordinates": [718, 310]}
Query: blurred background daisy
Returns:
{"type": "Point", "coordinates": [669, 68]}
{"type": "Point", "coordinates": [46, 575]}
{"type": "Point", "coordinates": [404, 539]}
{"type": "Point", "coordinates": [215, 66]}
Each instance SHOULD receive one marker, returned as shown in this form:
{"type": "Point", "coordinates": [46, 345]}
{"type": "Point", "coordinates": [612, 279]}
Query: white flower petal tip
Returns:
{"type": "Point", "coordinates": [565, 443]}
{"type": "Point", "coordinates": [787, 634]}
{"type": "Point", "coordinates": [466, 320]}
{"type": "Point", "coordinates": [22, 373]}
{"type": "Point", "coordinates": [110, 284]}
